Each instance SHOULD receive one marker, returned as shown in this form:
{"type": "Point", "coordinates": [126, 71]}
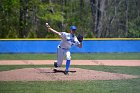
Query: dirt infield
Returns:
{"type": "Point", "coordinates": [47, 74]}
{"type": "Point", "coordinates": [73, 62]}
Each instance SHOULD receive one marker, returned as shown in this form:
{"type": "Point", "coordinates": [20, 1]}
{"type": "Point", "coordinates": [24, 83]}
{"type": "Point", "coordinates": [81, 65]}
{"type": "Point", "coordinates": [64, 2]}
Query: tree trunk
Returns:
{"type": "Point", "coordinates": [23, 18]}
{"type": "Point", "coordinates": [101, 6]}
{"type": "Point", "coordinates": [93, 11]}
{"type": "Point", "coordinates": [62, 21]}
{"type": "Point", "coordinates": [126, 17]}
{"type": "Point", "coordinates": [81, 8]}
{"type": "Point", "coordinates": [98, 13]}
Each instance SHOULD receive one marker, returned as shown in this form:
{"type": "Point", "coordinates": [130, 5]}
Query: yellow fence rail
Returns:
{"type": "Point", "coordinates": [84, 39]}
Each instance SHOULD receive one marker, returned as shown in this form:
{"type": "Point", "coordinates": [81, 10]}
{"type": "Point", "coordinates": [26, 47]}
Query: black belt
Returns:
{"type": "Point", "coordinates": [63, 48]}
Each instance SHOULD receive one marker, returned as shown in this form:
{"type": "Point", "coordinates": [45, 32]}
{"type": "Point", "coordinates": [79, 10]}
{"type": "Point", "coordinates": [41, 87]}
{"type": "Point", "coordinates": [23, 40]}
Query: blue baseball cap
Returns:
{"type": "Point", "coordinates": [73, 27]}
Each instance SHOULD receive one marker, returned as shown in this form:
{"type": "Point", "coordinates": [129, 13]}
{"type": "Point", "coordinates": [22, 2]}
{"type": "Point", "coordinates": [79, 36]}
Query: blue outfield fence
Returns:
{"type": "Point", "coordinates": [50, 46]}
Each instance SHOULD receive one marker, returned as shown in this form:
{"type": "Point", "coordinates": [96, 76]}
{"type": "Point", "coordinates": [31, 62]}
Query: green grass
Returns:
{"type": "Point", "coordinates": [108, 86]}
{"type": "Point", "coordinates": [116, 86]}
{"type": "Point", "coordinates": [12, 67]}
{"type": "Point", "coordinates": [82, 56]}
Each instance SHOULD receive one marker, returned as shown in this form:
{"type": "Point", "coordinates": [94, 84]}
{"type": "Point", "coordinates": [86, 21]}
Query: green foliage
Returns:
{"type": "Point", "coordinates": [134, 28]}
{"type": "Point", "coordinates": [9, 18]}
{"type": "Point", "coordinates": [83, 56]}
{"type": "Point", "coordinates": [32, 34]}
{"type": "Point", "coordinates": [63, 13]}
{"type": "Point", "coordinates": [12, 34]}
{"type": "Point", "coordinates": [49, 12]}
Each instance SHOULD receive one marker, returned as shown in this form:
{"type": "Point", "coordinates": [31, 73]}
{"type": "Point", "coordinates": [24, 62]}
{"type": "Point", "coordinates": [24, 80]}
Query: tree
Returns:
{"type": "Point", "coordinates": [93, 18]}
{"type": "Point", "coordinates": [8, 18]}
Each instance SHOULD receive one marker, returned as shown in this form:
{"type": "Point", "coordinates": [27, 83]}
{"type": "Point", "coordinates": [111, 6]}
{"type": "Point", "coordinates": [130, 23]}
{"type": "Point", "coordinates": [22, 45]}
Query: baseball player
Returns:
{"type": "Point", "coordinates": [67, 41]}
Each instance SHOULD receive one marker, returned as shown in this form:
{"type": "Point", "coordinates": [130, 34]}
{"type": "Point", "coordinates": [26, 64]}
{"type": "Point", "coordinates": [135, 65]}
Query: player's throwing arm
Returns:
{"type": "Point", "coordinates": [52, 30]}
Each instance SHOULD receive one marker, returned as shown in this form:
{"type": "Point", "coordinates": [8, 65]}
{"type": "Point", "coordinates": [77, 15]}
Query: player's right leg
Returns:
{"type": "Point", "coordinates": [60, 56]}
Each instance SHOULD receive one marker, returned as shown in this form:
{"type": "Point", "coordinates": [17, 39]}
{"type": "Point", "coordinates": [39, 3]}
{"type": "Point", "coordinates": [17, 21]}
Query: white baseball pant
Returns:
{"type": "Point", "coordinates": [61, 52]}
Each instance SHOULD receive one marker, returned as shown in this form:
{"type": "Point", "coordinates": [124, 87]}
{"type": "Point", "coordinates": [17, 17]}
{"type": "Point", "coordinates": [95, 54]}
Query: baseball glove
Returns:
{"type": "Point", "coordinates": [80, 38]}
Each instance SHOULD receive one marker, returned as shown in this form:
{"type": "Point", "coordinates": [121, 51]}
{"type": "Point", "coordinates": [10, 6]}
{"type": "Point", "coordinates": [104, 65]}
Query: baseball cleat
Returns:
{"type": "Point", "coordinates": [66, 72]}
{"type": "Point", "coordinates": [55, 64]}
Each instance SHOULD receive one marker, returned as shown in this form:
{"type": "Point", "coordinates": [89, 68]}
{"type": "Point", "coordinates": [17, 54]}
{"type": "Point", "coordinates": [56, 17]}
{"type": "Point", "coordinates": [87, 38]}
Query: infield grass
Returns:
{"type": "Point", "coordinates": [82, 56]}
{"type": "Point", "coordinates": [92, 86]}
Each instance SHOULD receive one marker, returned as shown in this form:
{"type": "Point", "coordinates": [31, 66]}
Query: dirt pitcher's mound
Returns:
{"type": "Point", "coordinates": [47, 74]}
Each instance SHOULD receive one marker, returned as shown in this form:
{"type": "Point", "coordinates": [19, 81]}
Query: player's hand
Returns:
{"type": "Point", "coordinates": [47, 25]}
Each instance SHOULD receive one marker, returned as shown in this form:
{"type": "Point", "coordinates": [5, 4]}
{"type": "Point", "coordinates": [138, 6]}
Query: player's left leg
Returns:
{"type": "Point", "coordinates": [68, 60]}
